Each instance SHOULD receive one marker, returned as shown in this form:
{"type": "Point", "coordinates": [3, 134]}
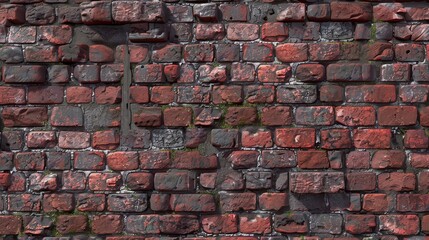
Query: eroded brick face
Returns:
{"type": "Point", "coordinates": [217, 120]}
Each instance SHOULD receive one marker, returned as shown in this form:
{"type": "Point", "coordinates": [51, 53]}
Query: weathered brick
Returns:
{"type": "Point", "coordinates": [316, 182]}
{"type": "Point", "coordinates": [215, 224]}
{"type": "Point", "coordinates": [175, 181]}
{"type": "Point", "coordinates": [295, 137]}
{"type": "Point", "coordinates": [237, 201]}
{"type": "Point", "coordinates": [399, 224]}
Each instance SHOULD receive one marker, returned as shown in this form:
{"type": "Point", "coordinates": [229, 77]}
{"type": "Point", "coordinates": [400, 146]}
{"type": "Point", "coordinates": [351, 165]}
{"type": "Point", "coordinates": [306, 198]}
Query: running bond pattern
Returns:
{"type": "Point", "coordinates": [214, 120]}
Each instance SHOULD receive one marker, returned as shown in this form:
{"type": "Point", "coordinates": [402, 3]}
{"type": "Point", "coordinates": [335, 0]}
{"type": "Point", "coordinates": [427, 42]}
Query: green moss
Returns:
{"type": "Point", "coordinates": [373, 31]}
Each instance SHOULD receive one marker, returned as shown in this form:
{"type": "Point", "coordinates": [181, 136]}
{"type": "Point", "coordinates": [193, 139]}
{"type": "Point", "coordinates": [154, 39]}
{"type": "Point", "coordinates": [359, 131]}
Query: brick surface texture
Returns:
{"type": "Point", "coordinates": [217, 120]}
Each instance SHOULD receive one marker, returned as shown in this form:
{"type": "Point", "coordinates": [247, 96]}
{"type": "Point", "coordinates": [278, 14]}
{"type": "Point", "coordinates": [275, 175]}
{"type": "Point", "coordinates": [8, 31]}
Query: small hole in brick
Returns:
{"type": "Point", "coordinates": [408, 51]}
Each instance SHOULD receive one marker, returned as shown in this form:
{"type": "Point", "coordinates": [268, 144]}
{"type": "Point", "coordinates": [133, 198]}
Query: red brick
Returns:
{"type": "Point", "coordinates": [312, 159]}
{"type": "Point", "coordinates": [237, 201]}
{"type": "Point", "coordinates": [198, 53]}
{"type": "Point", "coordinates": [78, 94]}
{"type": "Point", "coordinates": [242, 72]}
{"type": "Point", "coordinates": [295, 137]}
{"type": "Point", "coordinates": [104, 181]}
{"type": "Point", "coordinates": [90, 202]}
{"type": "Point", "coordinates": [154, 159]}
{"type": "Point", "coordinates": [292, 12]}
{"type": "Point", "coordinates": [147, 116]}
{"type": "Point", "coordinates": [409, 52]}
{"type": "Point", "coordinates": [138, 53]}
{"type": "Point", "coordinates": [45, 95]}
{"type": "Point", "coordinates": [316, 182]}
{"type": "Point", "coordinates": [234, 12]}
{"type": "Point", "coordinates": [274, 73]}
{"type": "Point", "coordinates": [30, 161]}
{"type": "Point", "coordinates": [331, 93]}
{"type": "Point", "coordinates": [389, 12]}
{"type": "Point", "coordinates": [71, 224]}
{"type": "Point", "coordinates": [73, 140]}
{"type": "Point", "coordinates": [356, 12]}
{"type": "Point", "coordinates": [87, 73]}
{"type": "Point", "coordinates": [243, 159]}
{"type": "Point", "coordinates": [236, 116]}
{"type": "Point", "coordinates": [175, 181]}
{"type": "Point", "coordinates": [350, 72]}
{"type": "Point", "coordinates": [12, 95]}
{"type": "Point", "coordinates": [310, 72]}
{"type": "Point", "coordinates": [358, 160]}
{"type": "Point", "coordinates": [12, 14]}
{"type": "Point", "coordinates": [400, 224]}
{"type": "Point", "coordinates": [355, 183]}
{"type": "Point", "coordinates": [54, 34]}
{"type": "Point", "coordinates": [24, 116]}
{"type": "Point", "coordinates": [215, 224]}
{"type": "Point", "coordinates": [178, 224]}
{"type": "Point", "coordinates": [358, 224]}
{"type": "Point", "coordinates": [258, 52]}
{"type": "Point", "coordinates": [227, 94]}
{"type": "Point", "coordinates": [397, 181]}
{"type": "Point", "coordinates": [276, 116]}
{"type": "Point", "coordinates": [255, 224]}
{"type": "Point", "coordinates": [121, 161]}
{"type": "Point", "coordinates": [296, 94]}
{"type": "Point", "coordinates": [162, 94]}
{"type": "Point", "coordinates": [256, 138]}
{"type": "Point", "coordinates": [126, 12]}
{"type": "Point", "coordinates": [274, 32]}
{"type": "Point", "coordinates": [416, 138]}
{"type": "Point", "coordinates": [296, 222]}
{"type": "Point", "coordinates": [212, 74]}
{"type": "Point", "coordinates": [140, 181]}
{"type": "Point", "coordinates": [413, 93]}
{"type": "Point", "coordinates": [89, 160]}
{"type": "Point", "coordinates": [383, 159]}
{"type": "Point", "coordinates": [106, 140]}
{"type": "Point", "coordinates": [242, 31]}
{"type": "Point", "coordinates": [108, 94]}
{"type": "Point", "coordinates": [73, 180]}
{"type": "Point", "coordinates": [273, 201]}
{"type": "Point", "coordinates": [149, 73]}
{"type": "Point", "coordinates": [372, 138]}
{"type": "Point", "coordinates": [192, 203]}
{"type": "Point", "coordinates": [397, 115]}
{"type": "Point", "coordinates": [278, 159]}
{"type": "Point", "coordinates": [107, 224]}
{"type": "Point", "coordinates": [139, 94]}
{"type": "Point", "coordinates": [58, 202]}
{"type": "Point", "coordinates": [377, 202]}
{"type": "Point", "coordinates": [335, 138]}
{"type": "Point", "coordinates": [66, 116]}
{"type": "Point", "coordinates": [193, 160]}
{"type": "Point", "coordinates": [72, 53]}
{"type": "Point", "coordinates": [41, 139]}
{"type": "Point", "coordinates": [100, 53]}
{"type": "Point", "coordinates": [324, 51]}
{"type": "Point", "coordinates": [209, 32]}
{"type": "Point", "coordinates": [412, 202]}
{"type": "Point", "coordinates": [10, 224]}
{"type": "Point", "coordinates": [378, 51]}
{"type": "Point", "coordinates": [425, 224]}
{"type": "Point", "coordinates": [355, 115]}
{"type": "Point", "coordinates": [315, 116]}
{"type": "Point", "coordinates": [24, 74]}
{"type": "Point", "coordinates": [292, 52]}
{"type": "Point", "coordinates": [41, 53]}
{"type": "Point", "coordinates": [419, 160]}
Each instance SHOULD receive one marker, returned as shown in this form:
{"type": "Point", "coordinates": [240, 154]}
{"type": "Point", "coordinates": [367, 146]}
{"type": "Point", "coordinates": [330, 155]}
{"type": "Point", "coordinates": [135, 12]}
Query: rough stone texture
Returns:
{"type": "Point", "coordinates": [194, 119]}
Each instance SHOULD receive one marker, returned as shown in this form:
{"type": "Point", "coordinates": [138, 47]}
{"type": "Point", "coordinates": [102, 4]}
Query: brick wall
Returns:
{"type": "Point", "coordinates": [224, 120]}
